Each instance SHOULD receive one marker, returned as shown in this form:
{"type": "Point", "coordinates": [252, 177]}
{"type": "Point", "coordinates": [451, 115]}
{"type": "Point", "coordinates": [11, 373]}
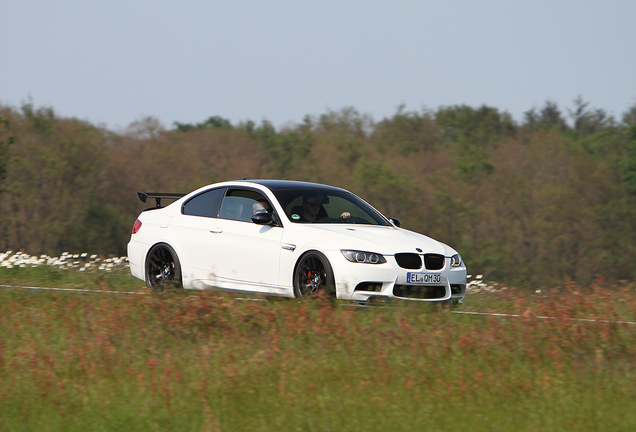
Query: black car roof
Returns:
{"type": "Point", "coordinates": [275, 185]}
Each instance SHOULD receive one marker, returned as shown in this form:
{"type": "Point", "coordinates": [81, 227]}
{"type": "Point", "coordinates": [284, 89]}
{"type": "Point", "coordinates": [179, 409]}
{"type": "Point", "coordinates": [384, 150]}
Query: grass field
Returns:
{"type": "Point", "coordinates": [203, 362]}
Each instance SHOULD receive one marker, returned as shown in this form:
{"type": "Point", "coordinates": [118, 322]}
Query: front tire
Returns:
{"type": "Point", "coordinates": [163, 269]}
{"type": "Point", "coordinates": [313, 276]}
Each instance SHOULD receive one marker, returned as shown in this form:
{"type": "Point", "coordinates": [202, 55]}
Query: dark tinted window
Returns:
{"type": "Point", "coordinates": [205, 204]}
{"type": "Point", "coordinates": [332, 206]}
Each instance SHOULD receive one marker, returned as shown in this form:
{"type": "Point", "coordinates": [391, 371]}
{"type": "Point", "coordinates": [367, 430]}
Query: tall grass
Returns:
{"type": "Point", "coordinates": [68, 271]}
{"type": "Point", "coordinates": [77, 361]}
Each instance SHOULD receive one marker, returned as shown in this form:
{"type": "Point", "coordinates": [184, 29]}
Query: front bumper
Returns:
{"type": "Point", "coordinates": [363, 282]}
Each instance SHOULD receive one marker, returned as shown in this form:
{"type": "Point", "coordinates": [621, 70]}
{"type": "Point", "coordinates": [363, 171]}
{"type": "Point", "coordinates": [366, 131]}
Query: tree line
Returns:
{"type": "Point", "coordinates": [538, 202]}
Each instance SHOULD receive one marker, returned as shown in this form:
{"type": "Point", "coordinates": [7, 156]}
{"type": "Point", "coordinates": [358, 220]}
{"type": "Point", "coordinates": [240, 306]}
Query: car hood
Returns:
{"type": "Point", "coordinates": [379, 239]}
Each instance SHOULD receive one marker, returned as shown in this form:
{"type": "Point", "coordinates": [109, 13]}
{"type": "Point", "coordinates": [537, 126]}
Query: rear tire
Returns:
{"type": "Point", "coordinates": [313, 276]}
{"type": "Point", "coordinates": [163, 269]}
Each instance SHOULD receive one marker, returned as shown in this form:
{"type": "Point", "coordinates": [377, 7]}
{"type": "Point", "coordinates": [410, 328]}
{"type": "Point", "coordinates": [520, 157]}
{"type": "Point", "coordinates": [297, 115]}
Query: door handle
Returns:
{"type": "Point", "coordinates": [216, 230]}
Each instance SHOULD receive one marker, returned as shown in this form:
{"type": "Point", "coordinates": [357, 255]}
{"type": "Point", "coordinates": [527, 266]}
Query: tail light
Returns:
{"type": "Point", "coordinates": [136, 226]}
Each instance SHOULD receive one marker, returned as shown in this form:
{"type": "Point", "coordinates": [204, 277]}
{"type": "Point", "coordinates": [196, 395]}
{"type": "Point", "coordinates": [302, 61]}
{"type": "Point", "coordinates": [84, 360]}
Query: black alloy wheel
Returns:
{"type": "Point", "coordinates": [163, 270]}
{"type": "Point", "coordinates": [313, 276]}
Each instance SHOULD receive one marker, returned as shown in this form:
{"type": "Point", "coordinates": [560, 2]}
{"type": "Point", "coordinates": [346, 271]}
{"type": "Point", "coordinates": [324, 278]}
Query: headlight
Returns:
{"type": "Point", "coordinates": [456, 260]}
{"type": "Point", "coordinates": [363, 257]}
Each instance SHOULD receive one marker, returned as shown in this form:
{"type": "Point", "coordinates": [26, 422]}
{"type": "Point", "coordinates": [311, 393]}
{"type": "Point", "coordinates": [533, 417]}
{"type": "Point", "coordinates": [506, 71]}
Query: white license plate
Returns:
{"type": "Point", "coordinates": [423, 278]}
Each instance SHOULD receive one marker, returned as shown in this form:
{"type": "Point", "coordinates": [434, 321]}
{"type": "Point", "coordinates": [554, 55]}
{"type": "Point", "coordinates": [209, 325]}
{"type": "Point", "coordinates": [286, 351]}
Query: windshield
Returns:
{"type": "Point", "coordinates": [327, 206]}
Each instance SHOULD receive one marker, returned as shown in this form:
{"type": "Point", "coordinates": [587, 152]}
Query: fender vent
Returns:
{"type": "Point", "coordinates": [409, 260]}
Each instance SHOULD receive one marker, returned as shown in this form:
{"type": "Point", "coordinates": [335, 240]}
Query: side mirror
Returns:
{"type": "Point", "coordinates": [262, 218]}
{"type": "Point", "coordinates": [395, 222]}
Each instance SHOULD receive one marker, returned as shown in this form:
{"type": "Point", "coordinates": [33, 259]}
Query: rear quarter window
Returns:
{"type": "Point", "coordinates": [205, 204]}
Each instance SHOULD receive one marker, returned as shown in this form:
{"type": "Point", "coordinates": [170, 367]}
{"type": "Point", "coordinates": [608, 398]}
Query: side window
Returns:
{"type": "Point", "coordinates": [294, 209]}
{"type": "Point", "coordinates": [205, 204]}
{"type": "Point", "coordinates": [242, 204]}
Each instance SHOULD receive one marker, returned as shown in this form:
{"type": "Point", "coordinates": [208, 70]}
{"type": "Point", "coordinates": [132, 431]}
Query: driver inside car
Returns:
{"type": "Point", "coordinates": [313, 209]}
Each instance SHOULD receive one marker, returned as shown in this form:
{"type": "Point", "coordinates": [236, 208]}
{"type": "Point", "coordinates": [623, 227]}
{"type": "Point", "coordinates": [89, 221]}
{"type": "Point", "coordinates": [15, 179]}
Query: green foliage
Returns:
{"type": "Point", "coordinates": [531, 204]}
{"type": "Point", "coordinates": [346, 131]}
{"type": "Point", "coordinates": [550, 117]}
{"type": "Point", "coordinates": [472, 132]}
{"type": "Point", "coordinates": [406, 133]}
{"type": "Point", "coordinates": [478, 126]}
{"type": "Point", "coordinates": [628, 164]}
{"type": "Point", "coordinates": [452, 212]}
{"type": "Point", "coordinates": [471, 160]}
{"type": "Point", "coordinates": [587, 122]}
{"type": "Point", "coordinates": [381, 186]}
{"type": "Point", "coordinates": [41, 119]}
{"type": "Point", "coordinates": [211, 122]}
{"type": "Point", "coordinates": [5, 142]}
{"type": "Point", "coordinates": [56, 171]}
{"type": "Point", "coordinates": [629, 118]}
{"type": "Point", "coordinates": [286, 151]}
{"type": "Point", "coordinates": [348, 121]}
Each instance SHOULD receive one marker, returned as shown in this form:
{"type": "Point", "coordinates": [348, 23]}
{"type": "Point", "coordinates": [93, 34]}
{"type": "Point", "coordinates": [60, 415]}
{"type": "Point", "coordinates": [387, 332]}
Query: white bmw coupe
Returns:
{"type": "Point", "coordinates": [288, 238]}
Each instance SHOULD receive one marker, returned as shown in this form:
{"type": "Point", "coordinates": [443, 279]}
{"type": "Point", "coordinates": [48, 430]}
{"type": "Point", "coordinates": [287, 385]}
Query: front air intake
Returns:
{"type": "Point", "coordinates": [369, 286]}
{"type": "Point", "coordinates": [428, 292]}
{"type": "Point", "coordinates": [434, 261]}
{"type": "Point", "coordinates": [409, 261]}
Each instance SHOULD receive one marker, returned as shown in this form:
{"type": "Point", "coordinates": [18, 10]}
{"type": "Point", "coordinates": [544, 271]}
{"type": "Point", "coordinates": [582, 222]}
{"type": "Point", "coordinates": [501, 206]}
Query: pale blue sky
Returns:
{"type": "Point", "coordinates": [114, 62]}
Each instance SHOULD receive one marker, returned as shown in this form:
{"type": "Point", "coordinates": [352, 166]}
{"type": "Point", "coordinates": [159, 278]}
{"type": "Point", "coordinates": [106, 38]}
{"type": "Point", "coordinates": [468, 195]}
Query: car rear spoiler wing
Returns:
{"type": "Point", "coordinates": [143, 196]}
